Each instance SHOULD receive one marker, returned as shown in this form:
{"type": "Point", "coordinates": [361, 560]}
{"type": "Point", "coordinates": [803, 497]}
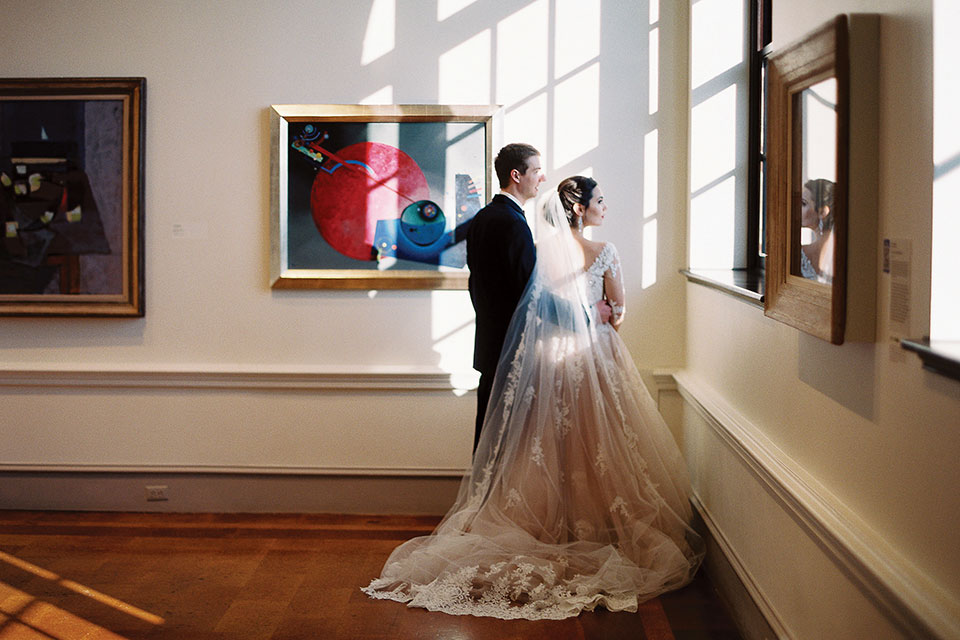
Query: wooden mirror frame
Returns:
{"type": "Point", "coordinates": [815, 308]}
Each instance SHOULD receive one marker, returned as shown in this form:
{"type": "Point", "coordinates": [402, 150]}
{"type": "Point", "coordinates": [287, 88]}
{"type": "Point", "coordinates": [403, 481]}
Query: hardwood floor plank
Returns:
{"type": "Point", "coordinates": [89, 576]}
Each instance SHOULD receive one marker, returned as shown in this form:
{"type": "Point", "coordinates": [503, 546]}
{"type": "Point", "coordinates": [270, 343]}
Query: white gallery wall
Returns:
{"type": "Point", "coordinates": [226, 375]}
{"type": "Point", "coordinates": [828, 472]}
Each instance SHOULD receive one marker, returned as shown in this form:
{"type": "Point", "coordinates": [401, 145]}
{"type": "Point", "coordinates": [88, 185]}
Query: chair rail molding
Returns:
{"type": "Point", "coordinates": [239, 376]}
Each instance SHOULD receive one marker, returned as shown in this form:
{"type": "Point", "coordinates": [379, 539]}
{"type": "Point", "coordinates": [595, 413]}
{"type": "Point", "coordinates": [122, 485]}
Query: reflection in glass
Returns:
{"type": "Point", "coordinates": [817, 145]}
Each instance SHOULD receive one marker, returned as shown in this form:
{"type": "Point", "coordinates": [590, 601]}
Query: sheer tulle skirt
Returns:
{"type": "Point", "coordinates": [578, 495]}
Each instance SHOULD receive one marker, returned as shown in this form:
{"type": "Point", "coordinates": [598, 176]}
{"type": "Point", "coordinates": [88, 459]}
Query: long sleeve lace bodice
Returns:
{"type": "Point", "coordinates": [604, 280]}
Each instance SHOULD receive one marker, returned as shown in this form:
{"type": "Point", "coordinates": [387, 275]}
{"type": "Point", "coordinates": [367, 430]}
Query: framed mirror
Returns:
{"type": "Point", "coordinates": [809, 91]}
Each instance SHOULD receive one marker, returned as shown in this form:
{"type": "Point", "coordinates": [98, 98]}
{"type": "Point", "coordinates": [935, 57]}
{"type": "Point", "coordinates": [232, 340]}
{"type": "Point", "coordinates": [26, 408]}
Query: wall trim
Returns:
{"type": "Point", "coordinates": [763, 606]}
{"type": "Point", "coordinates": [413, 472]}
{"type": "Point", "coordinates": [912, 602]}
{"type": "Point", "coordinates": [261, 377]}
{"type": "Point", "coordinates": [228, 493]}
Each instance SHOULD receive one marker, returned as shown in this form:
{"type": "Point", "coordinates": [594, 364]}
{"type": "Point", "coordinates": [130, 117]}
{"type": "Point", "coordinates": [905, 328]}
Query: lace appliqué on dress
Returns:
{"type": "Point", "coordinates": [607, 260]}
{"type": "Point", "coordinates": [520, 588]}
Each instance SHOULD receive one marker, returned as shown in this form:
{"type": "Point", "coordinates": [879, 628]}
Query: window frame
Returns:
{"type": "Point", "coordinates": [748, 284]}
{"type": "Point", "coordinates": [760, 36]}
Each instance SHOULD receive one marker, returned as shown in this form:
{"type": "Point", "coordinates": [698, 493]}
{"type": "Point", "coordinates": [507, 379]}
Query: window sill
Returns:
{"type": "Point", "coordinates": [744, 284]}
{"type": "Point", "coordinates": [939, 356]}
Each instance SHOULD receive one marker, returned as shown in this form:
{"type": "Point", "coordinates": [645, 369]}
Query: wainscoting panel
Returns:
{"type": "Point", "coordinates": [372, 421]}
{"type": "Point", "coordinates": [810, 565]}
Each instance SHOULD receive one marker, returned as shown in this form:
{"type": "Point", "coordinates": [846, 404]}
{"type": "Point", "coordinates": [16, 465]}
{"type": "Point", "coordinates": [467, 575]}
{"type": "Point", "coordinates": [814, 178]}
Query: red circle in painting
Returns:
{"type": "Point", "coordinates": [366, 182]}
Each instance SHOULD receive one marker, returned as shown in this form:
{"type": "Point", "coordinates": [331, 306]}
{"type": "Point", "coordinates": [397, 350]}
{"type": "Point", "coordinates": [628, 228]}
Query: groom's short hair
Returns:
{"type": "Point", "coordinates": [513, 156]}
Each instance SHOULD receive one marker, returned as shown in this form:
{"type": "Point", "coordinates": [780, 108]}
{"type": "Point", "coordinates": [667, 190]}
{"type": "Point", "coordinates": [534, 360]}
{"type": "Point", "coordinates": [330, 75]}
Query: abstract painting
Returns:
{"type": "Point", "coordinates": [376, 197]}
{"type": "Point", "coordinates": [71, 196]}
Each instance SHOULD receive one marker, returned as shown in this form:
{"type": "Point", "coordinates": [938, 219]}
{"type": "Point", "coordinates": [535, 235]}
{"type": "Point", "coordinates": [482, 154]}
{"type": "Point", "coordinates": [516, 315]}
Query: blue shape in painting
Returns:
{"type": "Point", "coordinates": [422, 223]}
{"type": "Point", "coordinates": [418, 234]}
{"type": "Point", "coordinates": [423, 233]}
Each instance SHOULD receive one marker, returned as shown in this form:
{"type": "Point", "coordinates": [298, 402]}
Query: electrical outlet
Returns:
{"type": "Point", "coordinates": [156, 492]}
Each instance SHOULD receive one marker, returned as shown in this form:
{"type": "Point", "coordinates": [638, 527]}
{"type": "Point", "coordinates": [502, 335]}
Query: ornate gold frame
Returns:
{"type": "Point", "coordinates": [284, 277]}
{"type": "Point", "coordinates": [129, 302]}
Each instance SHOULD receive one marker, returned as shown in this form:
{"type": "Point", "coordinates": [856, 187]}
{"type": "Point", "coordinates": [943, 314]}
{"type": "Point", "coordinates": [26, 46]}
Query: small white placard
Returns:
{"type": "Point", "coordinates": [897, 264]}
{"type": "Point", "coordinates": [189, 230]}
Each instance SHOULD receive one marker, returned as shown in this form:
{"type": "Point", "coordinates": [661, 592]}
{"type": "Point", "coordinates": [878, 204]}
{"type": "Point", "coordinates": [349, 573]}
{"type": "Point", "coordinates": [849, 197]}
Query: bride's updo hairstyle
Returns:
{"type": "Point", "coordinates": [573, 190]}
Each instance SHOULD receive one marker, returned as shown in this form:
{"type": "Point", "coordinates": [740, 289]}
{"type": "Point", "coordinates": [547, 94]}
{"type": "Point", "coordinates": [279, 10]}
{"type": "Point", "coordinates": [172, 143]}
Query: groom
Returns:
{"type": "Point", "coordinates": [501, 255]}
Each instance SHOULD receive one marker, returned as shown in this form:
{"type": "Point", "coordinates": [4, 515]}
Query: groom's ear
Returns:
{"type": "Point", "coordinates": [515, 175]}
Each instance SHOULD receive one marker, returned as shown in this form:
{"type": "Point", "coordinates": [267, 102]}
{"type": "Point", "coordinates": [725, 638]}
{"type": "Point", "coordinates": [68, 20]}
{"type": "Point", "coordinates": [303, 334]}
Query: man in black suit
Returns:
{"type": "Point", "coordinates": [500, 255]}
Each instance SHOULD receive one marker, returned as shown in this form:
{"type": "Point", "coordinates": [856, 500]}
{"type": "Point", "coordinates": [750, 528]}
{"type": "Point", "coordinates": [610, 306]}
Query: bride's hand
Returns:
{"type": "Point", "coordinates": [604, 311]}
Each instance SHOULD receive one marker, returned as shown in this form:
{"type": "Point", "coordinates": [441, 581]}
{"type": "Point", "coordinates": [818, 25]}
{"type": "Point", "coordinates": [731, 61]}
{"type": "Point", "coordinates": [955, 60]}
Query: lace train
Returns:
{"type": "Point", "coordinates": [578, 495]}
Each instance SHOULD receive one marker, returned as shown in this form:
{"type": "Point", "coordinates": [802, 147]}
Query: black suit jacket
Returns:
{"type": "Point", "coordinates": [500, 255]}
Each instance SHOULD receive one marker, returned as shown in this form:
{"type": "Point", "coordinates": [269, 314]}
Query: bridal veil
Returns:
{"type": "Point", "coordinates": [577, 495]}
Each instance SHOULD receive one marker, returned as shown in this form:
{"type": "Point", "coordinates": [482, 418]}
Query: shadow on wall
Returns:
{"type": "Point", "coordinates": [845, 374]}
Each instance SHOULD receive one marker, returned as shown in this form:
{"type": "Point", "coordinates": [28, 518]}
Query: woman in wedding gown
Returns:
{"type": "Point", "coordinates": [578, 495]}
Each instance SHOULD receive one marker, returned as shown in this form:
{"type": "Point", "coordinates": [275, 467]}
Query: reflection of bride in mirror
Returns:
{"type": "Point", "coordinates": [816, 239]}
{"type": "Point", "coordinates": [578, 495]}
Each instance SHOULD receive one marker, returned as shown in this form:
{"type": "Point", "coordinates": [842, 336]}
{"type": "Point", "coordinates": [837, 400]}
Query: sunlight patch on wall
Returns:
{"type": "Point", "coordinates": [651, 147]}
{"type": "Point", "coordinates": [649, 277]}
{"type": "Point", "coordinates": [380, 37]}
{"type": "Point", "coordinates": [577, 35]}
{"type": "Point", "coordinates": [713, 144]}
{"type": "Point", "coordinates": [446, 8]}
{"type": "Point", "coordinates": [528, 123]}
{"type": "Point", "coordinates": [380, 96]}
{"type": "Point", "coordinates": [465, 72]}
{"type": "Point", "coordinates": [944, 301]}
{"type": "Point", "coordinates": [522, 48]}
{"type": "Point", "coordinates": [576, 115]}
{"type": "Point", "coordinates": [712, 226]}
{"type": "Point", "coordinates": [653, 77]}
{"type": "Point", "coordinates": [716, 39]}
{"type": "Point", "coordinates": [451, 329]}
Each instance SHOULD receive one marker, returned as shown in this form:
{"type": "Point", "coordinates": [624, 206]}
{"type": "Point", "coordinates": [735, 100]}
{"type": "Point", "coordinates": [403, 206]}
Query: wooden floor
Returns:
{"type": "Point", "coordinates": [196, 577]}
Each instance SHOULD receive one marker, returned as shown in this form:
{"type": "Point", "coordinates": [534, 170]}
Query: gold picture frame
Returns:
{"type": "Point", "coordinates": [71, 196]}
{"type": "Point", "coordinates": [375, 196]}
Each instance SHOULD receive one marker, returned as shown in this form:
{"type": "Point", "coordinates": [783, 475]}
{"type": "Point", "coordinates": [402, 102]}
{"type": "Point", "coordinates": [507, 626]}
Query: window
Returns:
{"type": "Point", "coordinates": [941, 351]}
{"type": "Point", "coordinates": [729, 41]}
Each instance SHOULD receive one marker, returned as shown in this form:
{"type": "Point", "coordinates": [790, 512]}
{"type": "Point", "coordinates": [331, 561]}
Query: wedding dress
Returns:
{"type": "Point", "coordinates": [578, 495]}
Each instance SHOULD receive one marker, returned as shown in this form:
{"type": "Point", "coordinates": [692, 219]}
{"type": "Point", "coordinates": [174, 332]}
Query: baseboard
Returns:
{"type": "Point", "coordinates": [227, 493]}
{"type": "Point", "coordinates": [910, 601]}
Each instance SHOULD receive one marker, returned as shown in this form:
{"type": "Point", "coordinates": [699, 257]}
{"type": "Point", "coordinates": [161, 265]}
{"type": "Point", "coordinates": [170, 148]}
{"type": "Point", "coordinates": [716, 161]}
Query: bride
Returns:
{"type": "Point", "coordinates": [578, 495]}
